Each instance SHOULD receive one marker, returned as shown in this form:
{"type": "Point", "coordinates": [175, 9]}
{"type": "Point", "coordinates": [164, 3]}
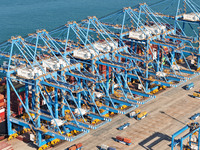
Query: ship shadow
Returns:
{"type": "Point", "coordinates": [191, 96]}
{"type": "Point", "coordinates": [98, 147]}
{"type": "Point", "coordinates": [153, 140]}
{"type": "Point", "coordinates": [184, 87]}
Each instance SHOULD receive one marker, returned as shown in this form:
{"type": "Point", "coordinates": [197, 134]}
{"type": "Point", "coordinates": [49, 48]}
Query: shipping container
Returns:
{"type": "Point", "coordinates": [119, 138]}
{"type": "Point", "coordinates": [79, 145]}
{"type": "Point", "coordinates": [127, 140]}
{"type": "Point", "coordinates": [72, 148]}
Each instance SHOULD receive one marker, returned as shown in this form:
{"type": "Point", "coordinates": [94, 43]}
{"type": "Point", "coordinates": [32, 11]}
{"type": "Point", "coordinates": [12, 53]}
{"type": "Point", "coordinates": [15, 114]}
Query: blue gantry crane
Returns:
{"type": "Point", "coordinates": [78, 76]}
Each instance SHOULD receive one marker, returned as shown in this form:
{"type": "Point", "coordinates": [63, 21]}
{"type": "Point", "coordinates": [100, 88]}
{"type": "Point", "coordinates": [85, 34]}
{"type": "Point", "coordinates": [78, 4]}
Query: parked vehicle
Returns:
{"type": "Point", "coordinates": [105, 147]}
{"type": "Point", "coordinates": [122, 140]}
{"type": "Point", "coordinates": [78, 146]}
{"type": "Point", "coordinates": [134, 113]}
{"type": "Point", "coordinates": [124, 126]}
{"type": "Point", "coordinates": [189, 86]}
{"type": "Point", "coordinates": [195, 116]}
{"type": "Point", "coordinates": [196, 95]}
{"type": "Point", "coordinates": [141, 115]}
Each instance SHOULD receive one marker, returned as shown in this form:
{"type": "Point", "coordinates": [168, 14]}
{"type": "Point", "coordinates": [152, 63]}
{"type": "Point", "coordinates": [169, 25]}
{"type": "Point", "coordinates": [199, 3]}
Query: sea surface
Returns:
{"type": "Point", "coordinates": [21, 17]}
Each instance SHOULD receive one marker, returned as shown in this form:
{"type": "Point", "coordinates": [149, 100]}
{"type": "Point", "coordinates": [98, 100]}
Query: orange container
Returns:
{"type": "Point", "coordinates": [119, 138]}
{"type": "Point", "coordinates": [127, 140]}
{"type": "Point", "coordinates": [72, 148]}
{"type": "Point", "coordinates": [79, 145]}
{"type": "Point", "coordinates": [2, 104]}
{"type": "Point", "coordinates": [1, 97]}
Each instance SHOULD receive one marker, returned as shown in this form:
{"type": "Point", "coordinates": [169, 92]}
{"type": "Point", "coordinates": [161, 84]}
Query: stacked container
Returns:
{"type": "Point", "coordinates": [123, 140]}
{"type": "Point", "coordinates": [15, 103]}
{"type": "Point", "coordinates": [102, 70]}
{"type": "Point", "coordinates": [2, 108]}
{"type": "Point", "coordinates": [76, 147]}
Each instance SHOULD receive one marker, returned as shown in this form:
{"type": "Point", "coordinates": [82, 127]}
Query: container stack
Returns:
{"type": "Point", "coordinates": [76, 146]}
{"type": "Point", "coordinates": [102, 70]}
{"type": "Point", "coordinates": [2, 108]}
{"type": "Point", "coordinates": [16, 105]}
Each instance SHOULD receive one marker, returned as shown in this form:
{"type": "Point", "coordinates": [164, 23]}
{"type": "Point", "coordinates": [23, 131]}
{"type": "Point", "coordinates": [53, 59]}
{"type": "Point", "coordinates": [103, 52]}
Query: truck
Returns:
{"type": "Point", "coordinates": [134, 113]}
{"type": "Point", "coordinates": [141, 115]}
{"type": "Point", "coordinates": [122, 140]}
{"type": "Point", "coordinates": [196, 95]}
{"type": "Point", "coordinates": [124, 126]}
{"type": "Point", "coordinates": [195, 116]}
{"type": "Point", "coordinates": [189, 86]}
{"type": "Point", "coordinates": [105, 147]}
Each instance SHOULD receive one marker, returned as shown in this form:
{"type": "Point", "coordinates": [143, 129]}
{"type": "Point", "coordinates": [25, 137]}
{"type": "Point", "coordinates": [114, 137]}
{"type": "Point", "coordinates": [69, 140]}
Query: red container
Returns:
{"type": "Point", "coordinates": [102, 70]}
{"type": "Point", "coordinates": [126, 140]}
{"type": "Point", "coordinates": [79, 145]}
{"type": "Point", "coordinates": [123, 59]}
{"type": "Point", "coordinates": [1, 98]}
{"type": "Point", "coordinates": [2, 120]}
{"type": "Point", "coordinates": [119, 138]}
{"type": "Point", "coordinates": [2, 115]}
{"type": "Point", "coordinates": [72, 148]}
{"type": "Point", "coordinates": [2, 104]}
{"type": "Point", "coordinates": [2, 137]}
{"type": "Point", "coordinates": [14, 115]}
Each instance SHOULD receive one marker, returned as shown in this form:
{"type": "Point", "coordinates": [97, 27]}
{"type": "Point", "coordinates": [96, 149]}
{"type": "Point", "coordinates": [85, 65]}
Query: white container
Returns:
{"type": "Point", "coordinates": [116, 85]}
{"type": "Point", "coordinates": [37, 71]}
{"type": "Point", "coordinates": [63, 62]}
{"type": "Point", "coordinates": [160, 74]}
{"type": "Point", "coordinates": [98, 94]}
{"type": "Point", "coordinates": [58, 121]}
{"type": "Point", "coordinates": [83, 111]}
{"type": "Point", "coordinates": [32, 137]}
{"type": "Point", "coordinates": [104, 147]}
{"type": "Point", "coordinates": [191, 16]}
{"type": "Point", "coordinates": [194, 147]}
{"type": "Point", "coordinates": [25, 72]}
{"type": "Point", "coordinates": [137, 35]}
{"type": "Point", "coordinates": [2, 110]}
{"type": "Point", "coordinates": [50, 64]}
{"type": "Point", "coordinates": [140, 86]}
{"type": "Point", "coordinates": [82, 54]}
{"type": "Point", "coordinates": [133, 113]}
{"type": "Point", "coordinates": [156, 29]}
{"type": "Point", "coordinates": [176, 67]}
{"type": "Point", "coordinates": [105, 46]}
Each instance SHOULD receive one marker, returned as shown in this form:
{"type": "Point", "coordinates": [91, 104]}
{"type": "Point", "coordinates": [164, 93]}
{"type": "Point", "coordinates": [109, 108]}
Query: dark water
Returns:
{"type": "Point", "coordinates": [20, 17]}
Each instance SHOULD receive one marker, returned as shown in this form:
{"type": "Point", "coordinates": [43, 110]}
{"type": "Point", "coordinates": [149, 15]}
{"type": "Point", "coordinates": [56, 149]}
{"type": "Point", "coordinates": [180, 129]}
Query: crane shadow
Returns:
{"type": "Point", "coordinates": [153, 140]}
{"type": "Point", "coordinates": [172, 117]}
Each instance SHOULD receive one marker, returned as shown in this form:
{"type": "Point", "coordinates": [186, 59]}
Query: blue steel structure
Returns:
{"type": "Point", "coordinates": [191, 132]}
{"type": "Point", "coordinates": [150, 66]}
{"type": "Point", "coordinates": [140, 51]}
